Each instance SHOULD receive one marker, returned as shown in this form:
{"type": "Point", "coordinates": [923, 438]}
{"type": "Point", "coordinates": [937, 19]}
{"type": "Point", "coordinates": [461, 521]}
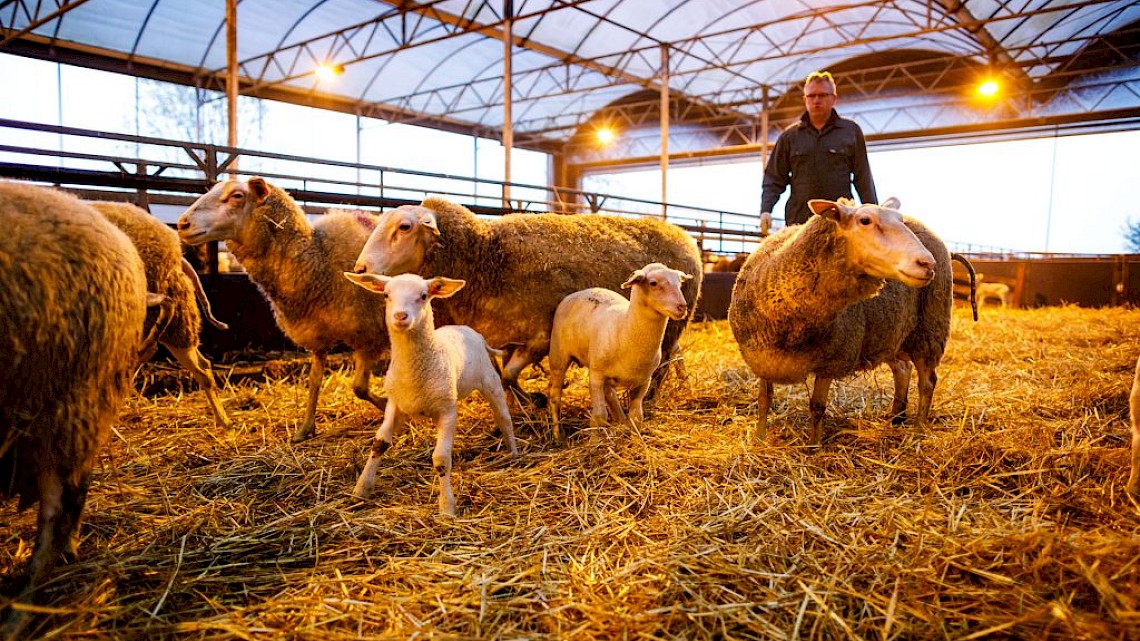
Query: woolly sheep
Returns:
{"type": "Point", "coordinates": [431, 371]}
{"type": "Point", "coordinates": [72, 308]}
{"type": "Point", "coordinates": [850, 289]}
{"type": "Point", "coordinates": [298, 267]}
{"type": "Point", "coordinates": [1133, 486]}
{"type": "Point", "coordinates": [168, 273]}
{"type": "Point", "coordinates": [519, 267]}
{"type": "Point", "coordinates": [618, 340]}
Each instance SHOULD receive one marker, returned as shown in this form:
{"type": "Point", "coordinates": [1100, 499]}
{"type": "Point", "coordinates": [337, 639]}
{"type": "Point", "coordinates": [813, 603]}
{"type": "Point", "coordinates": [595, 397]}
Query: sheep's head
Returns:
{"type": "Point", "coordinates": [659, 287]}
{"type": "Point", "coordinates": [400, 242]}
{"type": "Point", "coordinates": [407, 296]}
{"type": "Point", "coordinates": [879, 243]}
{"type": "Point", "coordinates": [220, 212]}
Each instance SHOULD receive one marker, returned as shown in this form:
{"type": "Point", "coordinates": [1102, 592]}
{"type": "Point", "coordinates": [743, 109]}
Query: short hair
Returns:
{"type": "Point", "coordinates": [819, 76]}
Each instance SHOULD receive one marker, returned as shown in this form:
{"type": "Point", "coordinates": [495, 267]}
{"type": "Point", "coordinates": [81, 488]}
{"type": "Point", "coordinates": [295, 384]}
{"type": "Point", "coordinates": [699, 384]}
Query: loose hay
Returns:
{"type": "Point", "coordinates": [1006, 518]}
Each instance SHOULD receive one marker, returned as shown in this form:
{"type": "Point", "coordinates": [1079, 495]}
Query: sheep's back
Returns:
{"type": "Point", "coordinates": [161, 252]}
{"type": "Point", "coordinates": [72, 304]}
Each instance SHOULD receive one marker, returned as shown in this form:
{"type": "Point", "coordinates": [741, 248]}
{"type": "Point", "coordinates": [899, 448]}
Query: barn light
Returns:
{"type": "Point", "coordinates": [988, 88]}
{"type": "Point", "coordinates": [605, 135]}
{"type": "Point", "coordinates": [328, 71]}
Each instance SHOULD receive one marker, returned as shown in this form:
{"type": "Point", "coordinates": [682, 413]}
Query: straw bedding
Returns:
{"type": "Point", "coordinates": [1006, 519]}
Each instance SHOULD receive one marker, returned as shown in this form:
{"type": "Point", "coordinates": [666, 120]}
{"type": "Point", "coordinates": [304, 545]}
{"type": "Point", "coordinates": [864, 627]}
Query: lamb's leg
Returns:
{"type": "Point", "coordinates": [636, 407]}
{"type": "Point", "coordinates": [900, 370]}
{"type": "Point", "coordinates": [557, 380]}
{"type": "Point", "coordinates": [193, 361]}
{"type": "Point", "coordinates": [361, 375]}
{"type": "Point", "coordinates": [763, 404]}
{"type": "Point", "coordinates": [394, 419]}
{"type": "Point", "coordinates": [927, 380]}
{"type": "Point", "coordinates": [598, 416]}
{"type": "Point", "coordinates": [497, 398]}
{"type": "Point", "coordinates": [521, 356]}
{"type": "Point", "coordinates": [817, 406]}
{"type": "Point", "coordinates": [441, 459]}
{"type": "Point", "coordinates": [1133, 486]}
{"type": "Point", "coordinates": [614, 405]}
{"type": "Point", "coordinates": [316, 377]}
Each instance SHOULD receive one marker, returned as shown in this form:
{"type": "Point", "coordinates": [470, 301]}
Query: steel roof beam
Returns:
{"type": "Point", "coordinates": [33, 14]}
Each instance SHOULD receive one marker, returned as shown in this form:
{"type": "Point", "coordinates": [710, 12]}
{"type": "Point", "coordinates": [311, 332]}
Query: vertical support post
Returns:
{"type": "Point", "coordinates": [232, 77]}
{"type": "Point", "coordinates": [764, 127]}
{"type": "Point", "coordinates": [664, 131]}
{"type": "Point", "coordinates": [508, 129]}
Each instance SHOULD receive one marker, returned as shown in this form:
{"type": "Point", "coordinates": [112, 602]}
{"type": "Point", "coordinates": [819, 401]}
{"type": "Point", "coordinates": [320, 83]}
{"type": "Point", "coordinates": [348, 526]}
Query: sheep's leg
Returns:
{"type": "Point", "coordinates": [193, 361]}
{"type": "Point", "coordinates": [498, 400]}
{"type": "Point", "coordinates": [763, 404]}
{"type": "Point", "coordinates": [316, 377]}
{"type": "Point", "coordinates": [614, 405]}
{"type": "Point", "coordinates": [927, 380]}
{"type": "Point", "coordinates": [521, 357]}
{"type": "Point", "coordinates": [817, 406]}
{"type": "Point", "coordinates": [557, 380]}
{"type": "Point", "coordinates": [394, 419]}
{"type": "Point", "coordinates": [1133, 486]}
{"type": "Point", "coordinates": [900, 370]}
{"type": "Point", "coordinates": [636, 407]}
{"type": "Point", "coordinates": [361, 375]}
{"type": "Point", "coordinates": [441, 460]}
{"type": "Point", "coordinates": [598, 415]}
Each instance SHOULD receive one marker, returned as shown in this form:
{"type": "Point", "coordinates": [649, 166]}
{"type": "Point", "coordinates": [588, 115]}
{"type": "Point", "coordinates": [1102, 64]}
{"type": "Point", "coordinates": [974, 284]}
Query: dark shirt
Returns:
{"type": "Point", "coordinates": [817, 164]}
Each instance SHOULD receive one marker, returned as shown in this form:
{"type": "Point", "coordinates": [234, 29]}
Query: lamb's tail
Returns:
{"type": "Point", "coordinates": [496, 355]}
{"type": "Point", "coordinates": [200, 294]}
{"type": "Point", "coordinates": [973, 282]}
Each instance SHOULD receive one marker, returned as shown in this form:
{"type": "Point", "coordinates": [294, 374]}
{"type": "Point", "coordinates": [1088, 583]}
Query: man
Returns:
{"type": "Point", "coordinates": [819, 156]}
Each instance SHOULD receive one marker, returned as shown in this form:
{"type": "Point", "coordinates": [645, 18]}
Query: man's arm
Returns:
{"type": "Point", "coordinates": [777, 175]}
{"type": "Point", "coordinates": [864, 182]}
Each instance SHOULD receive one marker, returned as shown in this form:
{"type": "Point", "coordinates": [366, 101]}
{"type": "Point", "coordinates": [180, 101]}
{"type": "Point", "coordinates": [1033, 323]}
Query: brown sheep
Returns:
{"type": "Point", "coordinates": [850, 289]}
{"type": "Point", "coordinates": [519, 267]}
{"type": "Point", "coordinates": [299, 267]}
{"type": "Point", "coordinates": [72, 307]}
{"type": "Point", "coordinates": [168, 273]}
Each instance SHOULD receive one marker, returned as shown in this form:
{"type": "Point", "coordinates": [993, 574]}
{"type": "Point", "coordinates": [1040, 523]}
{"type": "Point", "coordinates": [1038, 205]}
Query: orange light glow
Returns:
{"type": "Point", "coordinates": [989, 88]}
{"type": "Point", "coordinates": [328, 71]}
{"type": "Point", "coordinates": [605, 135]}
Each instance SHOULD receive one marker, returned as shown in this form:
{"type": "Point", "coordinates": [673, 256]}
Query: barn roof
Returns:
{"type": "Point", "coordinates": [907, 67]}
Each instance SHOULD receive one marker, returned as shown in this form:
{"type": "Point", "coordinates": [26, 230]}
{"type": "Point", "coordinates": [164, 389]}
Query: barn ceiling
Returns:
{"type": "Point", "coordinates": [907, 67]}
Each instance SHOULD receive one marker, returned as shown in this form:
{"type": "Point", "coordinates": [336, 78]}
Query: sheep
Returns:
{"type": "Point", "coordinates": [298, 266]}
{"type": "Point", "coordinates": [1133, 486]}
{"type": "Point", "coordinates": [519, 267]}
{"type": "Point", "coordinates": [1000, 291]}
{"type": "Point", "coordinates": [72, 309]}
{"type": "Point", "coordinates": [431, 371]}
{"type": "Point", "coordinates": [618, 340]}
{"type": "Point", "coordinates": [850, 289]}
{"type": "Point", "coordinates": [170, 274]}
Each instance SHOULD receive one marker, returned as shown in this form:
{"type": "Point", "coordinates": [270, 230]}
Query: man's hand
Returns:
{"type": "Point", "coordinates": [765, 223]}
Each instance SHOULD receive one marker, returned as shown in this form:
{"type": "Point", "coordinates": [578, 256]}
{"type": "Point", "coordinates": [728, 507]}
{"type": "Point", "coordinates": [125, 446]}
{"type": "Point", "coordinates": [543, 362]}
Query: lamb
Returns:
{"type": "Point", "coordinates": [298, 266]}
{"type": "Point", "coordinates": [1000, 291]}
{"type": "Point", "coordinates": [618, 340]}
{"type": "Point", "coordinates": [1133, 486]}
{"type": "Point", "coordinates": [168, 273]}
{"type": "Point", "coordinates": [503, 260]}
{"type": "Point", "coordinates": [431, 371]}
{"type": "Point", "coordinates": [850, 289]}
{"type": "Point", "coordinates": [72, 308]}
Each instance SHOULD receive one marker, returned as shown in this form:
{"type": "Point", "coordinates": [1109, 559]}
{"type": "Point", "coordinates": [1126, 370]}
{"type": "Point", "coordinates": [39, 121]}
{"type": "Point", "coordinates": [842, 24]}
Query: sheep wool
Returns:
{"type": "Point", "coordinates": [72, 307]}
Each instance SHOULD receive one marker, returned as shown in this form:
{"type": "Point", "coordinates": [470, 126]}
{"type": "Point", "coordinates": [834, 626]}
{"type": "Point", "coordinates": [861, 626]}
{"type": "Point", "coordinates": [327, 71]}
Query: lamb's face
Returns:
{"type": "Point", "coordinates": [216, 215]}
{"type": "Point", "coordinates": [400, 242]}
{"type": "Point", "coordinates": [407, 296]}
{"type": "Point", "coordinates": [879, 243]}
{"type": "Point", "coordinates": [660, 287]}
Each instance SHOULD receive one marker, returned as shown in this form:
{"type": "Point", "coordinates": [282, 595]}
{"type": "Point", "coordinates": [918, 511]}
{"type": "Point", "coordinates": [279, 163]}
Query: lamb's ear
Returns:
{"type": "Point", "coordinates": [259, 188]}
{"type": "Point", "coordinates": [828, 209]}
{"type": "Point", "coordinates": [372, 282]}
{"type": "Point", "coordinates": [686, 277]}
{"type": "Point", "coordinates": [891, 203]}
{"type": "Point", "coordinates": [440, 287]}
{"type": "Point", "coordinates": [427, 219]}
{"type": "Point", "coordinates": [634, 278]}
{"type": "Point", "coordinates": [366, 219]}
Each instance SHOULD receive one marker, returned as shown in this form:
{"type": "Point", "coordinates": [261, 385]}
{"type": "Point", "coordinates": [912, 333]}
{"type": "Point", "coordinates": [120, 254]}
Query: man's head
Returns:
{"type": "Point", "coordinates": [819, 95]}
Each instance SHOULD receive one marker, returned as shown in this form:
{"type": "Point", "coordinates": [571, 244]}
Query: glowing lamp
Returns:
{"type": "Point", "coordinates": [328, 71]}
{"type": "Point", "coordinates": [605, 135]}
{"type": "Point", "coordinates": [988, 89]}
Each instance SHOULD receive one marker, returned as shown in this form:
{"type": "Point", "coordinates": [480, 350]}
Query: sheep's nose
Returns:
{"type": "Point", "coordinates": [401, 316]}
{"type": "Point", "coordinates": [359, 268]}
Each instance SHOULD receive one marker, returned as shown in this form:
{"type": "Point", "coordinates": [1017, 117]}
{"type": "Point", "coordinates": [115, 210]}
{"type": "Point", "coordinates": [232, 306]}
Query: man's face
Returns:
{"type": "Point", "coordinates": [819, 98]}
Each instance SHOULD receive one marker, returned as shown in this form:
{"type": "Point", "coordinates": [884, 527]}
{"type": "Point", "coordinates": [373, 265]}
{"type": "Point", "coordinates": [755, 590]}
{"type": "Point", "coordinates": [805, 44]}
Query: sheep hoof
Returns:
{"type": "Point", "coordinates": [303, 434]}
{"type": "Point", "coordinates": [898, 419]}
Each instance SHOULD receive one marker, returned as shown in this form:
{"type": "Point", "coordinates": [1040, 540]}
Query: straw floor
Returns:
{"type": "Point", "coordinates": [1005, 519]}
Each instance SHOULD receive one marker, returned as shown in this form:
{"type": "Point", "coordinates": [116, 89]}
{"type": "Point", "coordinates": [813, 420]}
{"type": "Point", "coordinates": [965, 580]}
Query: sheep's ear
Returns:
{"type": "Point", "coordinates": [440, 287]}
{"type": "Point", "coordinates": [372, 282]}
{"type": "Point", "coordinates": [366, 219]}
{"type": "Point", "coordinates": [154, 300]}
{"type": "Point", "coordinates": [686, 277]}
{"type": "Point", "coordinates": [891, 203]}
{"type": "Point", "coordinates": [634, 278]}
{"type": "Point", "coordinates": [259, 188]}
{"type": "Point", "coordinates": [428, 221]}
{"type": "Point", "coordinates": [829, 209]}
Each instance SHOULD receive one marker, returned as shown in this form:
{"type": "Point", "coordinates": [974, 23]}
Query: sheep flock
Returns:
{"type": "Point", "coordinates": [1004, 509]}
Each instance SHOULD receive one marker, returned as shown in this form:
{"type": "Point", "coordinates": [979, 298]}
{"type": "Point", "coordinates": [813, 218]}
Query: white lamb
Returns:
{"type": "Point", "coordinates": [618, 340]}
{"type": "Point", "coordinates": [430, 372]}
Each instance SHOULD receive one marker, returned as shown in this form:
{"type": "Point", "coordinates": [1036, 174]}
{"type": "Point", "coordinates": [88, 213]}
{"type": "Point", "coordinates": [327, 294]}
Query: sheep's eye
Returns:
{"type": "Point", "coordinates": [653, 283]}
{"type": "Point", "coordinates": [423, 296]}
{"type": "Point", "coordinates": [237, 195]}
{"type": "Point", "coordinates": [865, 220]}
{"type": "Point", "coordinates": [405, 226]}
